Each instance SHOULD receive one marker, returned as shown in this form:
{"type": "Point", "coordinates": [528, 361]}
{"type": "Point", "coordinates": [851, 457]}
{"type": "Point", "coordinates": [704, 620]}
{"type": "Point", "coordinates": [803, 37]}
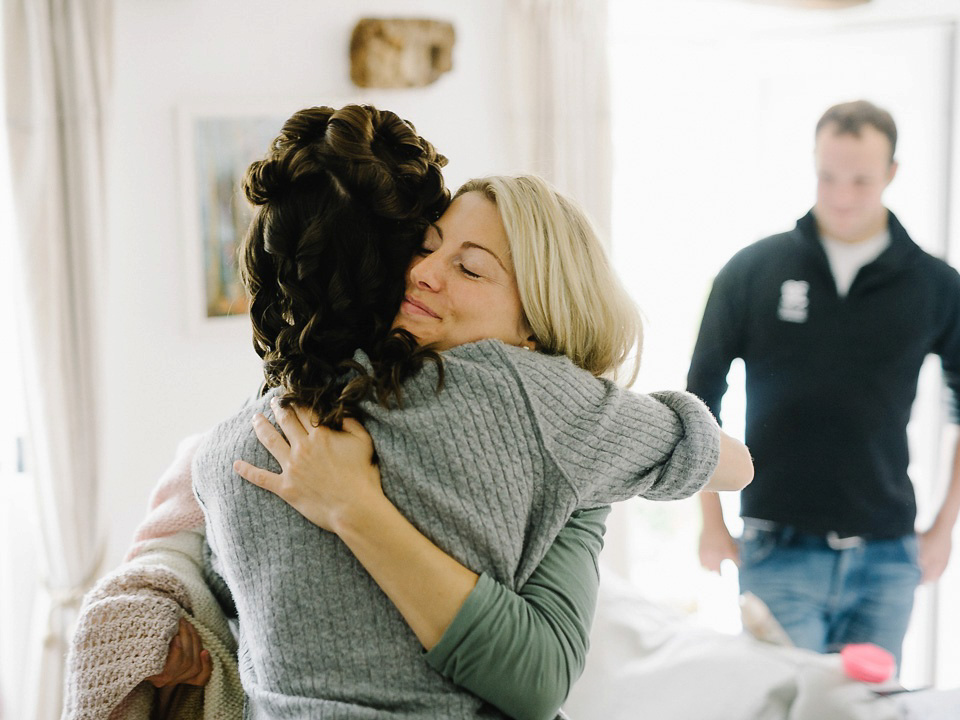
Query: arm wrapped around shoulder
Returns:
{"type": "Point", "coordinates": [661, 446]}
{"type": "Point", "coordinates": [611, 444]}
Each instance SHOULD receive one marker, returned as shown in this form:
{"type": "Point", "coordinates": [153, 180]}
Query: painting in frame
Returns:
{"type": "Point", "coordinates": [219, 142]}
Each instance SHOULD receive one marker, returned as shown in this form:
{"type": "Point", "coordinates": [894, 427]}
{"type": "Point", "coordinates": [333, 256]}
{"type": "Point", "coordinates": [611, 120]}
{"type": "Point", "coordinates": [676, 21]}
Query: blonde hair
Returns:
{"type": "Point", "coordinates": [573, 301]}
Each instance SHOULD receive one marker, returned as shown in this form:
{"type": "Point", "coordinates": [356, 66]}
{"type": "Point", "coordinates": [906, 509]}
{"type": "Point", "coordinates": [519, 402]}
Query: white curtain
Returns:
{"type": "Point", "coordinates": [56, 62]}
{"type": "Point", "coordinates": [559, 99]}
{"type": "Point", "coordinates": [558, 108]}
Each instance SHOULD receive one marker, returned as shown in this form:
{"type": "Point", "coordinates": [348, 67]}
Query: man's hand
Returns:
{"type": "Point", "coordinates": [717, 545]}
{"type": "Point", "coordinates": [934, 547]}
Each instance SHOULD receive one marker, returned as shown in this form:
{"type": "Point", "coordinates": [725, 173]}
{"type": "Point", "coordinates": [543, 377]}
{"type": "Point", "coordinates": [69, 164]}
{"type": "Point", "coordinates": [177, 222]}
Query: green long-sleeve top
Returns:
{"type": "Point", "coordinates": [522, 651]}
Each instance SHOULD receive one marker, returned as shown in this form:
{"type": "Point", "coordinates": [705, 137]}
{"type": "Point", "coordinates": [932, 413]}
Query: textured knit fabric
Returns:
{"type": "Point", "coordinates": [540, 634]}
{"type": "Point", "coordinates": [489, 469]}
{"type": "Point", "coordinates": [124, 631]}
{"type": "Point", "coordinates": [519, 651]}
{"type": "Point", "coordinates": [830, 381]}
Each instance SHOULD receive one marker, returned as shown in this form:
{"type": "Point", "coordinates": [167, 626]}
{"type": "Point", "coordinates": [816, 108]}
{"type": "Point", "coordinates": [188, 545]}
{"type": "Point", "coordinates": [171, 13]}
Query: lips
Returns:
{"type": "Point", "coordinates": [415, 307]}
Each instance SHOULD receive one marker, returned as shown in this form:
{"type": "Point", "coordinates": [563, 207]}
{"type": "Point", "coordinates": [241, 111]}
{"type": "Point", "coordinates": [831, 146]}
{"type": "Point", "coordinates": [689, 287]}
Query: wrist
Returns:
{"type": "Point", "coordinates": [715, 527]}
{"type": "Point", "coordinates": [355, 520]}
{"type": "Point", "coordinates": [942, 525]}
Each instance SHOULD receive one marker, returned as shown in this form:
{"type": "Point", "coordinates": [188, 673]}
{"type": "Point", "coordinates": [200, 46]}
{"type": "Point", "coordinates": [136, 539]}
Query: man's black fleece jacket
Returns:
{"type": "Point", "coordinates": [830, 380]}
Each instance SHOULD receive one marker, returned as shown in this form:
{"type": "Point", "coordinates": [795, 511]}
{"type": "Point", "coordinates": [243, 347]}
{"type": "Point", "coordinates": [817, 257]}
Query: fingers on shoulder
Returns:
{"type": "Point", "coordinates": [288, 418]}
{"type": "Point", "coordinates": [307, 417]}
{"type": "Point", "coordinates": [257, 476]}
{"type": "Point", "coordinates": [355, 427]}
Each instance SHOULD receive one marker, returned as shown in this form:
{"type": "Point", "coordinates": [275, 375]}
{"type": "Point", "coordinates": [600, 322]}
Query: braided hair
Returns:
{"type": "Point", "coordinates": [343, 199]}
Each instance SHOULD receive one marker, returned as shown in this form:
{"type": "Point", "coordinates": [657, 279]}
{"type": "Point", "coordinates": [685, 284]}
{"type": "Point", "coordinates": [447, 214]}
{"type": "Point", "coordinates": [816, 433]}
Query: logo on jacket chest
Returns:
{"type": "Point", "coordinates": [794, 302]}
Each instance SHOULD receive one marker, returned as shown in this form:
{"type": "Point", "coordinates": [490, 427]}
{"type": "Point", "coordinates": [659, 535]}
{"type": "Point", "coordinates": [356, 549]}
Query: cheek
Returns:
{"type": "Point", "coordinates": [488, 314]}
{"type": "Point", "coordinates": [512, 316]}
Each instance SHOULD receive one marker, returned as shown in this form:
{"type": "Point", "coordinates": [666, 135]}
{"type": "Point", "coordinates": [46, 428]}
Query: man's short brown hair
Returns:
{"type": "Point", "coordinates": [850, 117]}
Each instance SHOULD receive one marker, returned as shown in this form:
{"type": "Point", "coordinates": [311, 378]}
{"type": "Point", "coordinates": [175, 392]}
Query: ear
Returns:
{"type": "Point", "coordinates": [892, 172]}
{"type": "Point", "coordinates": [525, 337]}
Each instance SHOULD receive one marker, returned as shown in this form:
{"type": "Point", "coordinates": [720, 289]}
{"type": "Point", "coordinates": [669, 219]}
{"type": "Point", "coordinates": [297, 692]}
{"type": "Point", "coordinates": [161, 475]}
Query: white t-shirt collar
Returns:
{"type": "Point", "coordinates": [847, 258]}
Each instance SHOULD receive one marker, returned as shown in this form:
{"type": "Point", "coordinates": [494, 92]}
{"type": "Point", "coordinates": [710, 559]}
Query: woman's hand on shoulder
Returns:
{"type": "Point", "coordinates": [325, 474]}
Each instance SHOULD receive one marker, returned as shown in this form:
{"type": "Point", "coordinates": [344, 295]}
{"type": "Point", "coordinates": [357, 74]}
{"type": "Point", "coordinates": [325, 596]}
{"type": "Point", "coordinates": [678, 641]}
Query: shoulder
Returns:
{"type": "Point", "coordinates": [938, 270]}
{"type": "Point", "coordinates": [483, 351]}
{"type": "Point", "coordinates": [497, 358]}
{"type": "Point", "coordinates": [940, 282]}
{"type": "Point", "coordinates": [231, 439]}
{"type": "Point", "coordinates": [551, 387]}
{"type": "Point", "coordinates": [761, 252]}
{"type": "Point", "coordinates": [911, 256]}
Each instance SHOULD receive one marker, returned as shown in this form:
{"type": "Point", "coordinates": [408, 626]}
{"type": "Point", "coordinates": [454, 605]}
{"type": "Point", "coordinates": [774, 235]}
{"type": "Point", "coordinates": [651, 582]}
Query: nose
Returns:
{"type": "Point", "coordinates": [426, 272]}
{"type": "Point", "coordinates": [842, 195]}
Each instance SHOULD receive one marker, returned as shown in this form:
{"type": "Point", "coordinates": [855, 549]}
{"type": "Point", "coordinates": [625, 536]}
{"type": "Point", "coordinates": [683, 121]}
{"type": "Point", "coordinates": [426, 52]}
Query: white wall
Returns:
{"type": "Point", "coordinates": [162, 378]}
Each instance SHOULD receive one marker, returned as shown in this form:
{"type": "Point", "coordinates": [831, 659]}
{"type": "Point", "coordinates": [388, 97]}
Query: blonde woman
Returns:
{"type": "Point", "coordinates": [474, 483]}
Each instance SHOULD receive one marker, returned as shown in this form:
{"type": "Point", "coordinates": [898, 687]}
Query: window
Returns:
{"type": "Point", "coordinates": [714, 106]}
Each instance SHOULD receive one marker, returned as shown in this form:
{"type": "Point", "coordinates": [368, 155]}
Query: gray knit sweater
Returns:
{"type": "Point", "coordinates": [489, 469]}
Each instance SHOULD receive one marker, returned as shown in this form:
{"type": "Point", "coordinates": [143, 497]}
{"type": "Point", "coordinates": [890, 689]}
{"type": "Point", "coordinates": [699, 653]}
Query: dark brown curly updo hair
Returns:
{"type": "Point", "coordinates": [344, 198]}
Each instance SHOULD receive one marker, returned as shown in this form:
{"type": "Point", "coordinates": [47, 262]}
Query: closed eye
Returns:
{"type": "Point", "coordinates": [468, 273]}
{"type": "Point", "coordinates": [427, 248]}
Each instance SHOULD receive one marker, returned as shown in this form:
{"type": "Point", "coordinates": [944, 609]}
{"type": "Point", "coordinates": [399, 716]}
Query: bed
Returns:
{"type": "Point", "coordinates": [647, 662]}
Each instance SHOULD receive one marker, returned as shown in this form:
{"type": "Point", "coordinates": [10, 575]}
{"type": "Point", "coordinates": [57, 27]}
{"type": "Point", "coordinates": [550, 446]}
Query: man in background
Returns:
{"type": "Point", "coordinates": [833, 321]}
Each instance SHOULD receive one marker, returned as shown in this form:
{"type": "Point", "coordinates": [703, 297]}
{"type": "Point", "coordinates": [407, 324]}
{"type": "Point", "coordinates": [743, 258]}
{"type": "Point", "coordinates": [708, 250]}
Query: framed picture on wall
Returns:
{"type": "Point", "coordinates": [218, 142]}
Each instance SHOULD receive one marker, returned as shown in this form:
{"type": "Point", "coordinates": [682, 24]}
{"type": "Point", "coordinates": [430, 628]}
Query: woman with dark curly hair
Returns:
{"type": "Point", "coordinates": [344, 199]}
{"type": "Point", "coordinates": [484, 451]}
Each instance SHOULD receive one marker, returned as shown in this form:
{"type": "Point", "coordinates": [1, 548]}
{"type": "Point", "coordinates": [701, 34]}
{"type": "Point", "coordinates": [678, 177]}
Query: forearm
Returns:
{"type": "Point", "coordinates": [734, 467]}
{"type": "Point", "coordinates": [425, 584]}
{"type": "Point", "coordinates": [712, 514]}
{"type": "Point", "coordinates": [716, 543]}
{"type": "Point", "coordinates": [946, 517]}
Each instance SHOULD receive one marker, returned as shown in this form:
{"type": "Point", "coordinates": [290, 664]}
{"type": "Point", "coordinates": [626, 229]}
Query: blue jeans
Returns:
{"type": "Point", "coordinates": [827, 593]}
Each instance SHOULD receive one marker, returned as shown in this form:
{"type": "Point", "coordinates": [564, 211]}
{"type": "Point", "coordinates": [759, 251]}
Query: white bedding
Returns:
{"type": "Point", "coordinates": [646, 663]}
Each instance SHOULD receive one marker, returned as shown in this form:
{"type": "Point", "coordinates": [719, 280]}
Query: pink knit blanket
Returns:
{"type": "Point", "coordinates": [122, 636]}
{"type": "Point", "coordinates": [173, 506]}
